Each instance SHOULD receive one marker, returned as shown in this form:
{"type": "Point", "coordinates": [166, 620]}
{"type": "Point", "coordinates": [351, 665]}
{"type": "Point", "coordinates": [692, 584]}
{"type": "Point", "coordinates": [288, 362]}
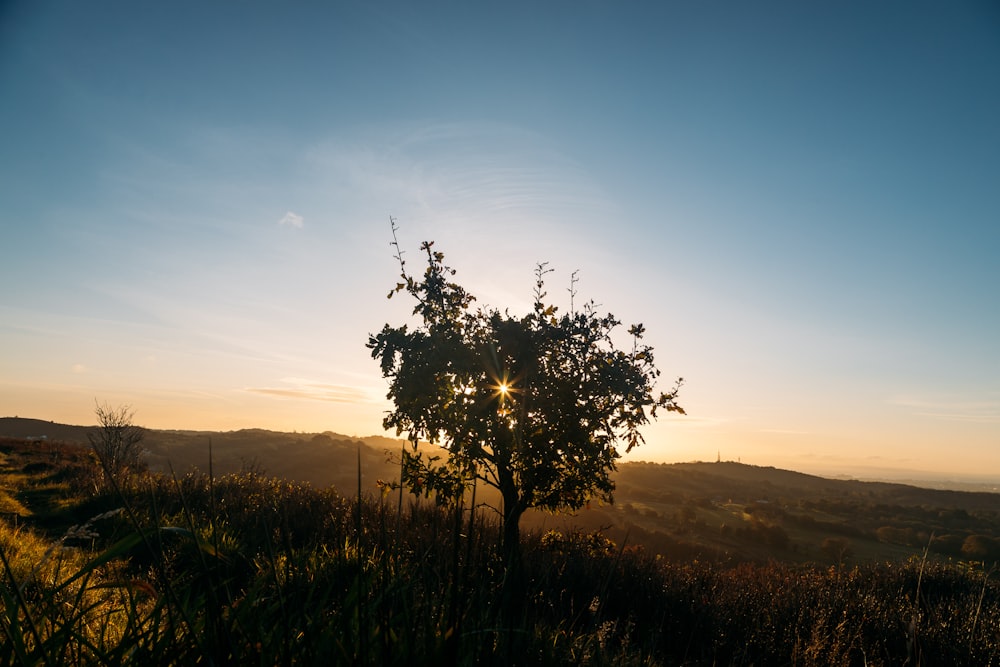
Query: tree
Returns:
{"type": "Point", "coordinates": [837, 548]}
{"type": "Point", "coordinates": [117, 441]}
{"type": "Point", "coordinates": [533, 406]}
{"type": "Point", "coordinates": [981, 548]}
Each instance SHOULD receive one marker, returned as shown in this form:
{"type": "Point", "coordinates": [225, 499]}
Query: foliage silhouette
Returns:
{"type": "Point", "coordinates": [117, 442]}
{"type": "Point", "coordinates": [532, 406]}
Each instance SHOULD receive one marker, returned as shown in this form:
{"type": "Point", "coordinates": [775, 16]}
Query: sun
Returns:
{"type": "Point", "coordinates": [504, 388]}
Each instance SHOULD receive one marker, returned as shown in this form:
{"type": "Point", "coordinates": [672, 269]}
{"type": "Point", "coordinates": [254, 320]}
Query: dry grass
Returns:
{"type": "Point", "coordinates": [245, 569]}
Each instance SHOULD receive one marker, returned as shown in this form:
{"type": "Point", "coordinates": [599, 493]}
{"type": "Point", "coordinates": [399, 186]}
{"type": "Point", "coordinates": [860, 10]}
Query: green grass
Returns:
{"type": "Point", "coordinates": [249, 570]}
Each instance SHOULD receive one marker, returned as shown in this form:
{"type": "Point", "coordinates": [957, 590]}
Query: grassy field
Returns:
{"type": "Point", "coordinates": [244, 568]}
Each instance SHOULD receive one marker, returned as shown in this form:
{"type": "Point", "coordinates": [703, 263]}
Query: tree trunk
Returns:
{"type": "Point", "coordinates": [512, 594]}
{"type": "Point", "coordinates": [510, 543]}
{"type": "Point", "coordinates": [510, 538]}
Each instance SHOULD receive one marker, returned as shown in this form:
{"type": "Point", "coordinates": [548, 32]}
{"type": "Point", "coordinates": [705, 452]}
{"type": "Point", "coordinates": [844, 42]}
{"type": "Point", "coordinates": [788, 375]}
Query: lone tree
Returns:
{"type": "Point", "coordinates": [117, 441]}
{"type": "Point", "coordinates": [533, 406]}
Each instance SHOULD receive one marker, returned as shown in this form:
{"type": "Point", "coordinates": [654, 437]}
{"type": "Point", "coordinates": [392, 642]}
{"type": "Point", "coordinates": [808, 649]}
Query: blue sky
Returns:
{"type": "Point", "coordinates": [799, 200]}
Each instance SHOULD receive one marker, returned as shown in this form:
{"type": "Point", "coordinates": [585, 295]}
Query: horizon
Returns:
{"type": "Point", "coordinates": [799, 202]}
{"type": "Point", "coordinates": [921, 478]}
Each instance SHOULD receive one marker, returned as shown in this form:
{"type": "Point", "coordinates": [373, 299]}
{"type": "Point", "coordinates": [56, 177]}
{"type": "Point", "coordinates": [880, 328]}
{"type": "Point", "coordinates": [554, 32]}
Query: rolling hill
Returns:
{"type": "Point", "coordinates": [719, 511]}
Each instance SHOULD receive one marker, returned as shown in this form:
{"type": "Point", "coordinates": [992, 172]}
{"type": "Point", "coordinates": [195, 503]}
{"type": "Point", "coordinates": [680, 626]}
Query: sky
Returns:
{"type": "Point", "coordinates": [800, 201]}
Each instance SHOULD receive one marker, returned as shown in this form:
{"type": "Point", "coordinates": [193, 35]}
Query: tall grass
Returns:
{"type": "Point", "coordinates": [248, 570]}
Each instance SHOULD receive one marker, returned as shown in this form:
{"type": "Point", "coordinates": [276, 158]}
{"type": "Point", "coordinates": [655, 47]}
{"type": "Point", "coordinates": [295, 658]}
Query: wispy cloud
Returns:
{"type": "Point", "coordinates": [314, 391]}
{"type": "Point", "coordinates": [975, 410]}
{"type": "Point", "coordinates": [291, 219]}
{"type": "Point", "coordinates": [784, 431]}
{"type": "Point", "coordinates": [692, 421]}
{"type": "Point", "coordinates": [463, 171]}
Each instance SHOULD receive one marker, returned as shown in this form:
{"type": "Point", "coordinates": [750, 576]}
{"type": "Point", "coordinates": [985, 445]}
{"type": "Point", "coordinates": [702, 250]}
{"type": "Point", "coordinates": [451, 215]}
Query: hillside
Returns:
{"type": "Point", "coordinates": [721, 511]}
{"type": "Point", "coordinates": [321, 459]}
{"type": "Point", "coordinates": [736, 511]}
{"type": "Point", "coordinates": [247, 569]}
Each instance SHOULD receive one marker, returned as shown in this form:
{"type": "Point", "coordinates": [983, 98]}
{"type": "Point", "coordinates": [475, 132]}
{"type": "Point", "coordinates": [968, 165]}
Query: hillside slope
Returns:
{"type": "Point", "coordinates": [719, 511]}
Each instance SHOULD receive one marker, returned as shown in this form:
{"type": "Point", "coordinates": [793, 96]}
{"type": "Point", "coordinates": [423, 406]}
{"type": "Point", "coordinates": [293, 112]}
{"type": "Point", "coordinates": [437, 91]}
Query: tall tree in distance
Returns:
{"type": "Point", "coordinates": [117, 442]}
{"type": "Point", "coordinates": [534, 406]}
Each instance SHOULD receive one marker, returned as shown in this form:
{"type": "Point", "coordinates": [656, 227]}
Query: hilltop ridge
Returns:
{"type": "Point", "coordinates": [721, 510]}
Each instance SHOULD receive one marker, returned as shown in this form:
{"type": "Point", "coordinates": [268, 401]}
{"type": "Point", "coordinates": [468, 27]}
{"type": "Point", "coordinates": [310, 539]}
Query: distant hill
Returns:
{"type": "Point", "coordinates": [321, 459]}
{"type": "Point", "coordinates": [750, 482]}
{"type": "Point", "coordinates": [723, 510]}
{"type": "Point", "coordinates": [19, 427]}
{"type": "Point", "coordinates": [733, 510]}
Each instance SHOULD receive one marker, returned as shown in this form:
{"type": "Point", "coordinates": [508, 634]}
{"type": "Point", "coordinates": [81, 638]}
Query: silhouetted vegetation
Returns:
{"type": "Point", "coordinates": [532, 406]}
{"type": "Point", "coordinates": [117, 442]}
{"type": "Point", "coordinates": [248, 569]}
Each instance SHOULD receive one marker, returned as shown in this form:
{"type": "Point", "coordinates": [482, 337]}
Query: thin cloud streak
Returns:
{"type": "Point", "coordinates": [977, 411]}
{"type": "Point", "coordinates": [314, 391]}
{"type": "Point", "coordinates": [462, 170]}
{"type": "Point", "coordinates": [692, 421]}
{"type": "Point", "coordinates": [784, 431]}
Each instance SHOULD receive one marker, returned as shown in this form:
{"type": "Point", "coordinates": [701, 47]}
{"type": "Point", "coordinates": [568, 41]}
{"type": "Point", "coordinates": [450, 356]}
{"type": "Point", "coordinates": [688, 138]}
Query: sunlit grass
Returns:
{"type": "Point", "coordinates": [10, 505]}
{"type": "Point", "coordinates": [246, 569]}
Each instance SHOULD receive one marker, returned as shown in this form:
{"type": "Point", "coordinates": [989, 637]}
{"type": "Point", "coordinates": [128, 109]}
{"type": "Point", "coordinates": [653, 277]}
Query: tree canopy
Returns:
{"type": "Point", "coordinates": [533, 406]}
